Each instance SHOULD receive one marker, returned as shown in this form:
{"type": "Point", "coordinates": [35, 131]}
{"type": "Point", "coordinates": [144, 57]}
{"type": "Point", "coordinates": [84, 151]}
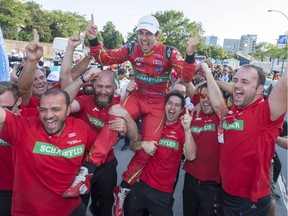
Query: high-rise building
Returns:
{"type": "Point", "coordinates": [211, 40]}
{"type": "Point", "coordinates": [231, 45]}
{"type": "Point", "coordinates": [247, 43]}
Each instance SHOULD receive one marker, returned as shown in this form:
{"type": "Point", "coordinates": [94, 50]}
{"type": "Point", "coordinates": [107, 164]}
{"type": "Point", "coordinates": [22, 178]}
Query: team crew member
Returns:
{"type": "Point", "coordinates": [52, 147]}
{"type": "Point", "coordinates": [11, 100]}
{"type": "Point", "coordinates": [57, 144]}
{"type": "Point", "coordinates": [202, 178]}
{"type": "Point", "coordinates": [245, 158]}
{"type": "Point", "coordinates": [152, 63]}
{"type": "Point", "coordinates": [154, 190]}
{"type": "Point", "coordinates": [94, 108]}
{"type": "Point", "coordinates": [32, 82]}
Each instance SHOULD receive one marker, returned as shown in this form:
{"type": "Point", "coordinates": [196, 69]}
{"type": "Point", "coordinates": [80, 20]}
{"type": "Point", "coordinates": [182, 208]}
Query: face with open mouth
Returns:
{"type": "Point", "coordinates": [173, 109]}
{"type": "Point", "coordinates": [52, 112]}
{"type": "Point", "coordinates": [40, 83]}
{"type": "Point", "coordinates": [245, 89]}
{"type": "Point", "coordinates": [147, 40]}
{"type": "Point", "coordinates": [205, 102]}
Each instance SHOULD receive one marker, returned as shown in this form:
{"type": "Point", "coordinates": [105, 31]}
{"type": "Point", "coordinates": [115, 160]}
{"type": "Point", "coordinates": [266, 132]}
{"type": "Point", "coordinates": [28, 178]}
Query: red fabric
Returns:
{"type": "Point", "coordinates": [34, 102]}
{"type": "Point", "coordinates": [45, 166]}
{"type": "Point", "coordinates": [195, 99]}
{"type": "Point", "coordinates": [6, 166]}
{"type": "Point", "coordinates": [135, 166]}
{"type": "Point", "coordinates": [6, 162]}
{"type": "Point", "coordinates": [152, 70]}
{"type": "Point", "coordinates": [96, 118]}
{"type": "Point", "coordinates": [161, 170]}
{"type": "Point", "coordinates": [249, 145]}
{"type": "Point", "coordinates": [205, 167]}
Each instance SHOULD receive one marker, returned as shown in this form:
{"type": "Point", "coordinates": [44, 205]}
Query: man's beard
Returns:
{"type": "Point", "coordinates": [103, 104]}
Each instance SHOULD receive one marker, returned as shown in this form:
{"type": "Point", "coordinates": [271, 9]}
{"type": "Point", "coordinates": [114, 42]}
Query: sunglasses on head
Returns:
{"type": "Point", "coordinates": [10, 107]}
{"type": "Point", "coordinates": [203, 95]}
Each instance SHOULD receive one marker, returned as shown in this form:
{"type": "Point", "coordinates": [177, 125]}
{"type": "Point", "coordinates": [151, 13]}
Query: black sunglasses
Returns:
{"type": "Point", "coordinates": [11, 107]}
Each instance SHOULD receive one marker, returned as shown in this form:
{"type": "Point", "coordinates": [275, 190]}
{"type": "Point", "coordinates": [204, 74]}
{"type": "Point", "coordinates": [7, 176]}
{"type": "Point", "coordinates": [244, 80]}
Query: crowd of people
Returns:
{"type": "Point", "coordinates": [58, 133]}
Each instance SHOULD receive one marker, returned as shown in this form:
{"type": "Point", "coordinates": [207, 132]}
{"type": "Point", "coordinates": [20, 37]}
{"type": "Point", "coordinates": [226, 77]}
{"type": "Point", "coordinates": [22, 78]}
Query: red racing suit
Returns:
{"type": "Point", "coordinates": [152, 71]}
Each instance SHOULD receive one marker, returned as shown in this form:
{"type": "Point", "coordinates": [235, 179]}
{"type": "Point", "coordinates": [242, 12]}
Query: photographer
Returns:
{"type": "Point", "coordinates": [17, 68]}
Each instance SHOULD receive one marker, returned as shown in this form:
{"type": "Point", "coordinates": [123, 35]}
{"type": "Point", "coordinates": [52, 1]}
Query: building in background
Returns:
{"type": "Point", "coordinates": [247, 43]}
{"type": "Point", "coordinates": [211, 40]}
{"type": "Point", "coordinates": [231, 45]}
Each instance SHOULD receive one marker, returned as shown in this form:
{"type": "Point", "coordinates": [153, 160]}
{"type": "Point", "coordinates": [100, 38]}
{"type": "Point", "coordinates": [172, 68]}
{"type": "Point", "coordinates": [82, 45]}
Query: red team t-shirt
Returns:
{"type": "Point", "coordinates": [249, 145]}
{"type": "Point", "coordinates": [6, 162]}
{"type": "Point", "coordinates": [205, 167]}
{"type": "Point", "coordinates": [45, 166]}
{"type": "Point", "coordinates": [161, 170]}
{"type": "Point", "coordinates": [96, 117]}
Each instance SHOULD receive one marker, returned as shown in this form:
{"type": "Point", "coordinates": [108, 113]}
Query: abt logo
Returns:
{"type": "Point", "coordinates": [139, 59]}
{"type": "Point", "coordinates": [158, 62]}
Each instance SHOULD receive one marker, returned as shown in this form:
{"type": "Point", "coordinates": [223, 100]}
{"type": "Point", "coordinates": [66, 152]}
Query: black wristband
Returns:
{"type": "Point", "coordinates": [94, 42]}
{"type": "Point", "coordinates": [82, 78]}
{"type": "Point", "coordinates": [190, 59]}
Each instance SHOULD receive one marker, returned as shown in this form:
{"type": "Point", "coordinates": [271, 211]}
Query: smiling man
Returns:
{"type": "Point", "coordinates": [202, 178]}
{"type": "Point", "coordinates": [47, 151]}
{"type": "Point", "coordinates": [250, 129]}
{"type": "Point", "coordinates": [152, 64]}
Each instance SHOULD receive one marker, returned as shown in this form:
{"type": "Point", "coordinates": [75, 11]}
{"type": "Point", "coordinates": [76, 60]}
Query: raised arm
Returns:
{"type": "Point", "coordinates": [215, 95]}
{"type": "Point", "coordinates": [66, 65]}
{"type": "Point", "coordinates": [92, 29]}
{"type": "Point", "coordinates": [190, 90]}
{"type": "Point", "coordinates": [80, 67]}
{"type": "Point", "coordinates": [34, 51]}
{"type": "Point", "coordinates": [278, 97]}
{"type": "Point", "coordinates": [225, 86]}
{"type": "Point", "coordinates": [75, 86]}
{"type": "Point", "coordinates": [189, 145]}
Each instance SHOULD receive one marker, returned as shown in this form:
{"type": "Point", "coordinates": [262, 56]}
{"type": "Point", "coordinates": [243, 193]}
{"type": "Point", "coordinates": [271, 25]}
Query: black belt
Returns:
{"type": "Point", "coordinates": [209, 183]}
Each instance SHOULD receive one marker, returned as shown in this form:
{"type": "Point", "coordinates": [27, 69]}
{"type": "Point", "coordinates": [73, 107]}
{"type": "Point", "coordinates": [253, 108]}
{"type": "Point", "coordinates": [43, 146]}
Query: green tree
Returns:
{"type": "Point", "coordinates": [218, 53]}
{"type": "Point", "coordinates": [36, 19]}
{"type": "Point", "coordinates": [112, 38]}
{"type": "Point", "coordinates": [12, 13]}
{"type": "Point", "coordinates": [260, 51]}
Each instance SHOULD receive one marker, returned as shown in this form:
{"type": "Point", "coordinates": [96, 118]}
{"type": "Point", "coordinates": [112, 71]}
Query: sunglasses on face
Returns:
{"type": "Point", "coordinates": [203, 95]}
{"type": "Point", "coordinates": [10, 107]}
{"type": "Point", "coordinates": [131, 75]}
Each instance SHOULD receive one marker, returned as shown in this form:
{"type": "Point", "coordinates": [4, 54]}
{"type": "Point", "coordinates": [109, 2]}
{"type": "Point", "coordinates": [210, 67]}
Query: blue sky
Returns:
{"type": "Point", "coordinates": [221, 18]}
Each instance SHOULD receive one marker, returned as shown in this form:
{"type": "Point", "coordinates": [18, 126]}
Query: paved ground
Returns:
{"type": "Point", "coordinates": [124, 157]}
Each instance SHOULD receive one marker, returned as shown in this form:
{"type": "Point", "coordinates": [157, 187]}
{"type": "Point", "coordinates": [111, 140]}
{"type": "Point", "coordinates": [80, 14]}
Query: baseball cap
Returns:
{"type": "Point", "coordinates": [149, 23]}
{"type": "Point", "coordinates": [53, 76]}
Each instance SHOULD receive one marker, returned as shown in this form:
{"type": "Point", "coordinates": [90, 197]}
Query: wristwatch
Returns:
{"type": "Point", "coordinates": [82, 78]}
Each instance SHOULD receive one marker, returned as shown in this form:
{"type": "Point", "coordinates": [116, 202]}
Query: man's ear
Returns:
{"type": "Point", "coordinates": [259, 90]}
{"type": "Point", "coordinates": [19, 101]}
{"type": "Point", "coordinates": [157, 34]}
{"type": "Point", "coordinates": [68, 110]}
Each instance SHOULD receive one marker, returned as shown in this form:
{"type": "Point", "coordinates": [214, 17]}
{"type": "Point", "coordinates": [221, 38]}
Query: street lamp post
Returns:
{"type": "Point", "coordinates": [286, 46]}
{"type": "Point", "coordinates": [279, 12]}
